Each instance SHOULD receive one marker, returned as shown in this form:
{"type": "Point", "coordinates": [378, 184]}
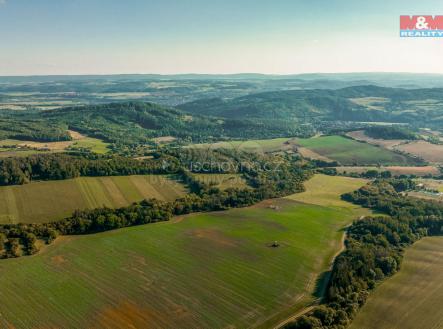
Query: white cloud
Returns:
{"type": "Point", "coordinates": [2, 2]}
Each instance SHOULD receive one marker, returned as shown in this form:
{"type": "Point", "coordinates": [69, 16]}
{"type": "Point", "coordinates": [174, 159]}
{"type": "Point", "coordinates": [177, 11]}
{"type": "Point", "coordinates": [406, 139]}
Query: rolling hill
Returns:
{"type": "Point", "coordinates": [135, 122]}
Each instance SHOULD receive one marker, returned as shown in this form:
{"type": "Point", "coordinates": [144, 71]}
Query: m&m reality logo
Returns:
{"type": "Point", "coordinates": [421, 26]}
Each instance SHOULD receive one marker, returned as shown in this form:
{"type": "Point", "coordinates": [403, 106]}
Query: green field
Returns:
{"type": "Point", "coordinates": [326, 191]}
{"type": "Point", "coordinates": [350, 152]}
{"type": "Point", "coordinates": [210, 270]}
{"type": "Point", "coordinates": [413, 297]}
{"type": "Point", "coordinates": [222, 181]}
{"type": "Point", "coordinates": [52, 200]}
{"type": "Point", "coordinates": [256, 145]}
{"type": "Point", "coordinates": [93, 144]}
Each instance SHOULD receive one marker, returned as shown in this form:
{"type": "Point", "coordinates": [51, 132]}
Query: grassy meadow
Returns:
{"type": "Point", "coordinates": [93, 144]}
{"type": "Point", "coordinates": [51, 200]}
{"type": "Point", "coordinates": [350, 152]}
{"type": "Point", "coordinates": [222, 181]}
{"type": "Point", "coordinates": [412, 298]}
{"type": "Point", "coordinates": [207, 270]}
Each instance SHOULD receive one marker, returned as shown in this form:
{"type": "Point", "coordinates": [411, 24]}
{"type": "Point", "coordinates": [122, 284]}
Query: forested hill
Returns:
{"type": "Point", "coordinates": [263, 115]}
{"type": "Point", "coordinates": [300, 104]}
{"type": "Point", "coordinates": [359, 103]}
{"type": "Point", "coordinates": [135, 122]}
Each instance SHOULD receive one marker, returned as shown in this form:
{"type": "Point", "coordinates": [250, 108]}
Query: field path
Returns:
{"type": "Point", "coordinates": [11, 205]}
{"type": "Point", "coordinates": [323, 288]}
{"type": "Point", "coordinates": [294, 317]}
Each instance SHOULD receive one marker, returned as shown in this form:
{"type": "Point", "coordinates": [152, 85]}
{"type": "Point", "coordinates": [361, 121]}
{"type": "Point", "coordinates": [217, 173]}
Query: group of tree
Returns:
{"type": "Point", "coordinates": [374, 250]}
{"type": "Point", "coordinates": [17, 171]}
{"type": "Point", "coordinates": [390, 132]}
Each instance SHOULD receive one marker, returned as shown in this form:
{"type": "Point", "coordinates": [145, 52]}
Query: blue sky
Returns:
{"type": "Point", "coordinates": [212, 36]}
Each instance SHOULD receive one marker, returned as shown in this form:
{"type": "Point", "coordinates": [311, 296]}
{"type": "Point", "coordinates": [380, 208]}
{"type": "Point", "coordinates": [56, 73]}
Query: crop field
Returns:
{"type": "Point", "coordinates": [256, 145]}
{"type": "Point", "coordinates": [93, 144]}
{"type": "Point", "coordinates": [222, 181]}
{"type": "Point", "coordinates": [412, 298]}
{"type": "Point", "coordinates": [208, 270]}
{"type": "Point", "coordinates": [395, 170]}
{"type": "Point", "coordinates": [429, 152]}
{"type": "Point", "coordinates": [350, 152]}
{"type": "Point", "coordinates": [14, 147]}
{"type": "Point", "coordinates": [326, 191]}
{"type": "Point", "coordinates": [52, 200]}
{"type": "Point", "coordinates": [373, 103]}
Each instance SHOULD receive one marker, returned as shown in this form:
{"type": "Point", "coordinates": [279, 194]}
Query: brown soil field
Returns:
{"type": "Point", "coordinates": [76, 135]}
{"type": "Point", "coordinates": [429, 152]}
{"type": "Point", "coordinates": [307, 153]}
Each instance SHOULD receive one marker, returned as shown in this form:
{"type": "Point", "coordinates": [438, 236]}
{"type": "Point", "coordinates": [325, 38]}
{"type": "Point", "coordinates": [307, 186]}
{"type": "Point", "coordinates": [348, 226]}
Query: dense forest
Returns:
{"type": "Point", "coordinates": [374, 249]}
{"type": "Point", "coordinates": [12, 126]}
{"type": "Point", "coordinates": [137, 123]}
{"type": "Point", "coordinates": [390, 132]}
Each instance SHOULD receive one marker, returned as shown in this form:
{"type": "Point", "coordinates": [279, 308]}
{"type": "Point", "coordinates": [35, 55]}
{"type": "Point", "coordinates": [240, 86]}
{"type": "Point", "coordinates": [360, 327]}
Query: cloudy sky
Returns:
{"type": "Point", "coordinates": [213, 36]}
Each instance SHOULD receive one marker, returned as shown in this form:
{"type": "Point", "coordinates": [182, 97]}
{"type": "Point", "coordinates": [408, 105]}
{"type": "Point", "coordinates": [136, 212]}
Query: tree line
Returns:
{"type": "Point", "coordinates": [374, 250]}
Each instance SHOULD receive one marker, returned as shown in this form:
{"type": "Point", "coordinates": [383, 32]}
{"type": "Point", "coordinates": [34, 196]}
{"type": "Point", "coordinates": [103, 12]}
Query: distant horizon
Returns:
{"type": "Point", "coordinates": [224, 74]}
